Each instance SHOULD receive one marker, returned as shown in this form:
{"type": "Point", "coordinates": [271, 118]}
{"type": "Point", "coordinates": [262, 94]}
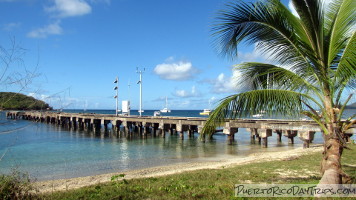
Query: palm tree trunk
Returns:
{"type": "Point", "coordinates": [331, 164]}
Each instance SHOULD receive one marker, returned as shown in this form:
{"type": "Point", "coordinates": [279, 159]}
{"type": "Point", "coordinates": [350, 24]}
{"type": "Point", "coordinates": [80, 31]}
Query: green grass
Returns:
{"type": "Point", "coordinates": [210, 183]}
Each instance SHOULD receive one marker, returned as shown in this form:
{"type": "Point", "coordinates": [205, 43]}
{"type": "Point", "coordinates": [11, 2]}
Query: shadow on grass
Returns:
{"type": "Point", "coordinates": [301, 180]}
{"type": "Point", "coordinates": [350, 170]}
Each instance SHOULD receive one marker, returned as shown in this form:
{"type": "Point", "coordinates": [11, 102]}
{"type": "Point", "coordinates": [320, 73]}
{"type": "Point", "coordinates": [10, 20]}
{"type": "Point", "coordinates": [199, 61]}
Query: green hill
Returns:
{"type": "Point", "coordinates": [16, 101]}
{"type": "Point", "coordinates": [351, 106]}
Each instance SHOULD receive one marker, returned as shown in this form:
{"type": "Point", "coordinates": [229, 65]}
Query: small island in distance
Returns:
{"type": "Point", "coordinates": [351, 106]}
{"type": "Point", "coordinates": [17, 101]}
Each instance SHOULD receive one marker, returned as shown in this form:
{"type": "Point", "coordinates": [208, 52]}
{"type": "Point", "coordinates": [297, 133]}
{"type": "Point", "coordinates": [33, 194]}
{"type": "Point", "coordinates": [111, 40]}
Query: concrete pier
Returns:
{"type": "Point", "coordinates": [158, 126]}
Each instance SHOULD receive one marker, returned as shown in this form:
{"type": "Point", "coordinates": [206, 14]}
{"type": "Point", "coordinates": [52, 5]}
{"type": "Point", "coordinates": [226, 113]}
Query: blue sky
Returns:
{"type": "Point", "coordinates": [78, 47]}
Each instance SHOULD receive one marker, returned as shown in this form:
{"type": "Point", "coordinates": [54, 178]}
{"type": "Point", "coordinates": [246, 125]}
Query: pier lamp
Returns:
{"type": "Point", "coordinates": [116, 88]}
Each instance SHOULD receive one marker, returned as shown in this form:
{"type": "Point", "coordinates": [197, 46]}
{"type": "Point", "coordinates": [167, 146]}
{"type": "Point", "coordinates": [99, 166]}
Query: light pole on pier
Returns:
{"type": "Point", "coordinates": [117, 95]}
{"type": "Point", "coordinates": [140, 82]}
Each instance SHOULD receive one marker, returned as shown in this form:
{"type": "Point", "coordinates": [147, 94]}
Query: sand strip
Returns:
{"type": "Point", "coordinates": [73, 183]}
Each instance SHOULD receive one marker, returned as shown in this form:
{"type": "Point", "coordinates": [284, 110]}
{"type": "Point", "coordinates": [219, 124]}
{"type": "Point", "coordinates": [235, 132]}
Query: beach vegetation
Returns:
{"type": "Point", "coordinates": [213, 183]}
{"type": "Point", "coordinates": [116, 180]}
{"type": "Point", "coordinates": [16, 185]}
{"type": "Point", "coordinates": [311, 72]}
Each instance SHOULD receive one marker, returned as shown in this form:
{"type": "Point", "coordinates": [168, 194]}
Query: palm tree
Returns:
{"type": "Point", "coordinates": [314, 65]}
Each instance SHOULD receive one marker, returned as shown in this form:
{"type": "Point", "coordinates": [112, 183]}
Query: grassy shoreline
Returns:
{"type": "Point", "coordinates": [210, 183]}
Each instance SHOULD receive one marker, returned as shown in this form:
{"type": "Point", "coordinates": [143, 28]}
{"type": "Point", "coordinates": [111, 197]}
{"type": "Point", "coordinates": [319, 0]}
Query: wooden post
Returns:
{"type": "Point", "coordinates": [231, 134]}
{"type": "Point", "coordinates": [253, 134]}
{"type": "Point", "coordinates": [264, 142]}
{"type": "Point", "coordinates": [265, 133]}
{"type": "Point", "coordinates": [306, 137]}
{"type": "Point", "coordinates": [279, 135]}
{"type": "Point", "coordinates": [290, 134]}
{"type": "Point", "coordinates": [181, 135]}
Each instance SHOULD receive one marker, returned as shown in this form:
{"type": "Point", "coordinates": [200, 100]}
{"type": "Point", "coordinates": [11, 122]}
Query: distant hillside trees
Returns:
{"type": "Point", "coordinates": [16, 101]}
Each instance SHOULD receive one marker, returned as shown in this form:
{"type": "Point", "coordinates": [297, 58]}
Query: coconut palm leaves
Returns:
{"type": "Point", "coordinates": [313, 53]}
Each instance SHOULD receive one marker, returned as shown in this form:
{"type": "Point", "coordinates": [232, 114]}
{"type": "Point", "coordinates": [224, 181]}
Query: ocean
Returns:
{"type": "Point", "coordinates": [49, 152]}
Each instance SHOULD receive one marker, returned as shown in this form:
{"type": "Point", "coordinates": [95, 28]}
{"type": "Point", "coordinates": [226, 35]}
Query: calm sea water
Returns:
{"type": "Point", "coordinates": [51, 152]}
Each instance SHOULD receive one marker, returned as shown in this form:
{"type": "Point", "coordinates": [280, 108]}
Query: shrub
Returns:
{"type": "Point", "coordinates": [16, 185]}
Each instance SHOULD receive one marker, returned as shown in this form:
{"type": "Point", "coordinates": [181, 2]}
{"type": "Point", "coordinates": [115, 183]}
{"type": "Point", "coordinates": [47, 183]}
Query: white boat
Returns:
{"type": "Point", "coordinates": [141, 111]}
{"type": "Point", "coordinates": [156, 113]}
{"type": "Point", "coordinates": [205, 112]}
{"type": "Point", "coordinates": [165, 110]}
{"type": "Point", "coordinates": [258, 115]}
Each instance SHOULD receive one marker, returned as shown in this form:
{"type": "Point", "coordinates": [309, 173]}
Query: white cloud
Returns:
{"type": "Point", "coordinates": [11, 26]}
{"type": "Point", "coordinates": [69, 8]}
{"type": "Point", "coordinates": [181, 104]}
{"type": "Point", "coordinates": [185, 94]}
{"type": "Point", "coordinates": [181, 93]}
{"type": "Point", "coordinates": [175, 71]}
{"type": "Point", "coordinates": [170, 59]}
{"type": "Point", "coordinates": [51, 29]}
{"type": "Point", "coordinates": [108, 2]}
{"type": "Point", "coordinates": [255, 56]}
{"type": "Point", "coordinates": [62, 9]}
{"type": "Point", "coordinates": [61, 102]}
{"type": "Point", "coordinates": [213, 99]}
{"type": "Point", "coordinates": [42, 97]}
{"type": "Point", "coordinates": [223, 84]}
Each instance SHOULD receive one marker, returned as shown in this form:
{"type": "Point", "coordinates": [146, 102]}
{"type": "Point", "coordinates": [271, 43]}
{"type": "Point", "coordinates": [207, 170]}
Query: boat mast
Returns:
{"type": "Point", "coordinates": [166, 103]}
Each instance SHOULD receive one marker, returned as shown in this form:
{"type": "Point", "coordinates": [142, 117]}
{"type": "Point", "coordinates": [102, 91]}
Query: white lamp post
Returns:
{"type": "Point", "coordinates": [140, 82]}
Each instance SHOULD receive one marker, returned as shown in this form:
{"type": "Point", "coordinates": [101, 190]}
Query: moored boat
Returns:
{"type": "Point", "coordinates": [165, 110]}
{"type": "Point", "coordinates": [205, 112]}
{"type": "Point", "coordinates": [259, 115]}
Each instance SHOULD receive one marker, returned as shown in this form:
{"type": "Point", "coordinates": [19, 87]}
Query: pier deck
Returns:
{"type": "Point", "coordinates": [260, 129]}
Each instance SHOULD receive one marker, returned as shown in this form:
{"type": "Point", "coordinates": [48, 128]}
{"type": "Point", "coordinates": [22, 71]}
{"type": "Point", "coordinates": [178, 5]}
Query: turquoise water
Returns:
{"type": "Point", "coordinates": [50, 152]}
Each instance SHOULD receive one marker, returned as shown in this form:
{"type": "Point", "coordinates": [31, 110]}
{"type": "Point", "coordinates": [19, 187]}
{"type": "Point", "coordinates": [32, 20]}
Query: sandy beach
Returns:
{"type": "Point", "coordinates": [73, 183]}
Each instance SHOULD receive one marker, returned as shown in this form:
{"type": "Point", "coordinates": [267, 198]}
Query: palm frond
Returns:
{"type": "Point", "coordinates": [269, 24]}
{"type": "Point", "coordinates": [340, 20]}
{"type": "Point", "coordinates": [317, 119]}
{"type": "Point", "coordinates": [245, 104]}
{"type": "Point", "coordinates": [349, 123]}
{"type": "Point", "coordinates": [268, 76]}
{"type": "Point", "coordinates": [343, 107]}
{"type": "Point", "coordinates": [346, 68]}
{"type": "Point", "coordinates": [310, 13]}
{"type": "Point", "coordinates": [345, 74]}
